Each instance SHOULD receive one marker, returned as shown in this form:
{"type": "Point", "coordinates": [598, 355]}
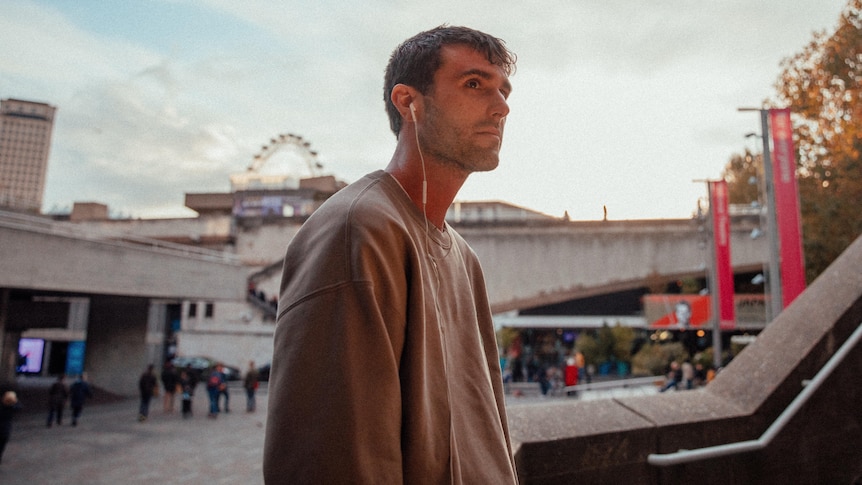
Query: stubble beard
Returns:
{"type": "Point", "coordinates": [454, 147]}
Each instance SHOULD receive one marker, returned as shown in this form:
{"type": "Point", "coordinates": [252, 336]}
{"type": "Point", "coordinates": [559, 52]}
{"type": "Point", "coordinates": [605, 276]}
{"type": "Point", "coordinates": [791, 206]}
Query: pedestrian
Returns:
{"type": "Point", "coordinates": [188, 389]}
{"type": "Point", "coordinates": [9, 407]}
{"type": "Point", "coordinates": [543, 377]}
{"type": "Point", "coordinates": [194, 377]}
{"type": "Point", "coordinates": [57, 395]}
{"type": "Point", "coordinates": [687, 371]}
{"type": "Point", "coordinates": [580, 363]}
{"type": "Point", "coordinates": [170, 381]}
{"type": "Point", "coordinates": [375, 280]}
{"type": "Point", "coordinates": [674, 376]}
{"type": "Point", "coordinates": [571, 374]}
{"type": "Point", "coordinates": [699, 375]}
{"type": "Point", "coordinates": [148, 386]}
{"type": "Point", "coordinates": [250, 383]}
{"type": "Point", "coordinates": [79, 391]}
{"type": "Point", "coordinates": [224, 390]}
{"type": "Point", "coordinates": [215, 385]}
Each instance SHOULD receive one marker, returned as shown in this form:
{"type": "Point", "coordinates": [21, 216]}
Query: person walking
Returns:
{"type": "Point", "coordinates": [215, 385]}
{"type": "Point", "coordinates": [687, 372]}
{"type": "Point", "coordinates": [148, 385]}
{"type": "Point", "coordinates": [250, 383]}
{"type": "Point", "coordinates": [381, 284]}
{"type": "Point", "coordinates": [57, 395]}
{"type": "Point", "coordinates": [224, 391]}
{"type": "Point", "coordinates": [9, 407]}
{"type": "Point", "coordinates": [170, 380]}
{"type": "Point", "coordinates": [674, 376]}
{"type": "Point", "coordinates": [187, 383]}
{"type": "Point", "coordinates": [79, 391]}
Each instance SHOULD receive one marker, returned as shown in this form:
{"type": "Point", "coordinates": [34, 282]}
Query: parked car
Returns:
{"type": "Point", "coordinates": [263, 373]}
{"type": "Point", "coordinates": [202, 366]}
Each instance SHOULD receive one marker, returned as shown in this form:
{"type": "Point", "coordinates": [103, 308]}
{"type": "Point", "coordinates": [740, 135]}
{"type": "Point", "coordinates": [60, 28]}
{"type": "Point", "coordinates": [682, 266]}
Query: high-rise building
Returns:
{"type": "Point", "coordinates": [25, 140]}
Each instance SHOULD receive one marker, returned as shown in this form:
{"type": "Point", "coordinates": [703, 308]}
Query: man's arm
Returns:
{"type": "Point", "coordinates": [334, 392]}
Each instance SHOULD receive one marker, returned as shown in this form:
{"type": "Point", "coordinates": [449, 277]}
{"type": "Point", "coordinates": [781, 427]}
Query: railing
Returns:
{"type": "Point", "coordinates": [718, 451]}
{"type": "Point", "coordinates": [615, 384]}
{"type": "Point", "coordinates": [43, 225]}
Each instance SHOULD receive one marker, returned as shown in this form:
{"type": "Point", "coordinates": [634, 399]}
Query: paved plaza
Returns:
{"type": "Point", "coordinates": [109, 445]}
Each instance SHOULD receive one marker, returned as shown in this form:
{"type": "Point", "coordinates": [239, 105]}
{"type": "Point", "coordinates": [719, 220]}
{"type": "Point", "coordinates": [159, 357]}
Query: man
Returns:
{"type": "Point", "coordinates": [385, 366]}
{"type": "Point", "coordinates": [216, 385]}
{"type": "Point", "coordinates": [682, 313]}
{"type": "Point", "coordinates": [170, 379]}
{"type": "Point", "coordinates": [148, 385]}
{"type": "Point", "coordinates": [250, 383]}
{"type": "Point", "coordinates": [57, 395]}
{"type": "Point", "coordinates": [79, 391]}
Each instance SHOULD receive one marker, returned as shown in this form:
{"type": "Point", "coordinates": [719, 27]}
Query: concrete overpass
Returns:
{"type": "Point", "coordinates": [44, 255]}
{"type": "Point", "coordinates": [527, 262]}
{"type": "Point", "coordinates": [541, 263]}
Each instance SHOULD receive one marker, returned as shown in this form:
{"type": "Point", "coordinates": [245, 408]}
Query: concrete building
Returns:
{"type": "Point", "coordinates": [25, 141]}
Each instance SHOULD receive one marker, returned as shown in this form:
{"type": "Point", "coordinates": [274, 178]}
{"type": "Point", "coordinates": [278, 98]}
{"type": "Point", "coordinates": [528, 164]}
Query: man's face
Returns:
{"type": "Point", "coordinates": [465, 111]}
{"type": "Point", "coordinates": [683, 313]}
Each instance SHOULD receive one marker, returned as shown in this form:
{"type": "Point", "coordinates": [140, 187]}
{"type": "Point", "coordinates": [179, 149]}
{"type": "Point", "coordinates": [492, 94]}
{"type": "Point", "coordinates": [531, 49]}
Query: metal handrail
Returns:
{"type": "Point", "coordinates": [688, 456]}
{"type": "Point", "coordinates": [614, 384]}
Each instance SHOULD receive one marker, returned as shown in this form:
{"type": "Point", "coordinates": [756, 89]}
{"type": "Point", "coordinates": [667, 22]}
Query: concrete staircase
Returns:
{"type": "Point", "coordinates": [610, 441]}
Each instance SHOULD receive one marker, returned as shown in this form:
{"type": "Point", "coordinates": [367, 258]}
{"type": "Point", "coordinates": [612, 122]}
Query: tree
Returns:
{"type": "Point", "coordinates": [744, 176]}
{"type": "Point", "coordinates": [589, 347]}
{"type": "Point", "coordinates": [624, 338]}
{"type": "Point", "coordinates": [821, 85]}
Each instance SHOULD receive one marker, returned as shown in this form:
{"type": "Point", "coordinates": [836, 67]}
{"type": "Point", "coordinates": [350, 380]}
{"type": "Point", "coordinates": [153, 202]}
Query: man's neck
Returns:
{"type": "Point", "coordinates": [441, 184]}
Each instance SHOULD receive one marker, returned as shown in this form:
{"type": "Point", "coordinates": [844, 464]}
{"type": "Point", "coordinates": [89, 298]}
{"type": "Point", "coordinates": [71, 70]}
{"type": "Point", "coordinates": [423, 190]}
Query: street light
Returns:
{"type": "Point", "coordinates": [774, 273]}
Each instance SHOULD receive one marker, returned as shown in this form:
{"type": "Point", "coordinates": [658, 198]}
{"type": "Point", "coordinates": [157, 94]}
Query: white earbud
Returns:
{"type": "Point", "coordinates": [424, 180]}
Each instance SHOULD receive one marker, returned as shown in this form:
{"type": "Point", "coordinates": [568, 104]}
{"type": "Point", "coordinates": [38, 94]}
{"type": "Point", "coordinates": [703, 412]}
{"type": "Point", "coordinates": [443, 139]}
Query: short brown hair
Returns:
{"type": "Point", "coordinates": [415, 61]}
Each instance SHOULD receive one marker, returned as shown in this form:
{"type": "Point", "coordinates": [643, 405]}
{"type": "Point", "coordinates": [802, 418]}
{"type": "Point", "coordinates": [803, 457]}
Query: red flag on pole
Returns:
{"type": "Point", "coordinates": [787, 205]}
{"type": "Point", "coordinates": [719, 205]}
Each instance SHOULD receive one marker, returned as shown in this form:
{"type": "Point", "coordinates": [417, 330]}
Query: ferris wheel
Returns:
{"type": "Point", "coordinates": [253, 178]}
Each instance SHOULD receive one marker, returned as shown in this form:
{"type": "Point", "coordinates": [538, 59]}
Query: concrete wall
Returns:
{"type": "Point", "coordinates": [116, 352]}
{"type": "Point", "coordinates": [261, 245]}
{"type": "Point", "coordinates": [609, 441]}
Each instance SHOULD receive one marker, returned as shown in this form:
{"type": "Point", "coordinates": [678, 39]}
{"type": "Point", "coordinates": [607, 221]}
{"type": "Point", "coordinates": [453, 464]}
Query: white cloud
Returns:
{"type": "Point", "coordinates": [613, 104]}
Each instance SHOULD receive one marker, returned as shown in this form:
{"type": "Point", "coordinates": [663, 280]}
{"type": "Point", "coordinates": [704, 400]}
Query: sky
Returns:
{"type": "Point", "coordinates": [617, 104]}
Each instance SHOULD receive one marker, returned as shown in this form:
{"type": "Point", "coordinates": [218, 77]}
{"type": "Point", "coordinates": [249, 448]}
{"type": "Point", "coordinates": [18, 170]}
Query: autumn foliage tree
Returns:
{"type": "Point", "coordinates": [821, 85]}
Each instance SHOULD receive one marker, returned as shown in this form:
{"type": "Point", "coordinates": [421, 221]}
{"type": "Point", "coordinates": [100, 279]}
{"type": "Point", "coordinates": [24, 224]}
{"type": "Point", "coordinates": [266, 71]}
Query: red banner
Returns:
{"type": "Point", "coordinates": [787, 205]}
{"type": "Point", "coordinates": [719, 205]}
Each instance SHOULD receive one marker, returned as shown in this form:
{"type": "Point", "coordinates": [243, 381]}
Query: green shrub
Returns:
{"type": "Point", "coordinates": [652, 359]}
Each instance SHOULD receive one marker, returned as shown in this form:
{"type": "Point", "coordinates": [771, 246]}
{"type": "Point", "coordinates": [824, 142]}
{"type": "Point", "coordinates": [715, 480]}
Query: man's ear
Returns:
{"type": "Point", "coordinates": [402, 97]}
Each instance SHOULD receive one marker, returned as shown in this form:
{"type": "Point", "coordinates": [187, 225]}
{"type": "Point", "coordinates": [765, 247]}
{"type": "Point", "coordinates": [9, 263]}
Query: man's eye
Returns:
{"type": "Point", "coordinates": [473, 84]}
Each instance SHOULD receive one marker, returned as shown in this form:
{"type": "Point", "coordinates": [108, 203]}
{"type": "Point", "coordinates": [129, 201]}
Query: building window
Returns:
{"type": "Point", "coordinates": [208, 310]}
{"type": "Point", "coordinates": [193, 310]}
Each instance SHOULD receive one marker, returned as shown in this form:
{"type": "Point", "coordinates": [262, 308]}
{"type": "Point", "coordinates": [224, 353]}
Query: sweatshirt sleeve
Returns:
{"type": "Point", "coordinates": [334, 391]}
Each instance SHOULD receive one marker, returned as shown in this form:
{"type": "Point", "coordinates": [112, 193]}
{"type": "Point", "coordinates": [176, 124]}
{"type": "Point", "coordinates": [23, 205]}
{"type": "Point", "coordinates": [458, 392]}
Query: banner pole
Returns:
{"type": "Point", "coordinates": [773, 279]}
{"type": "Point", "coordinates": [714, 296]}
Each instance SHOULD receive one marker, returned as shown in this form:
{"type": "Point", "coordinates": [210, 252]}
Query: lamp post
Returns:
{"type": "Point", "coordinates": [774, 274]}
{"type": "Point", "coordinates": [714, 290]}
